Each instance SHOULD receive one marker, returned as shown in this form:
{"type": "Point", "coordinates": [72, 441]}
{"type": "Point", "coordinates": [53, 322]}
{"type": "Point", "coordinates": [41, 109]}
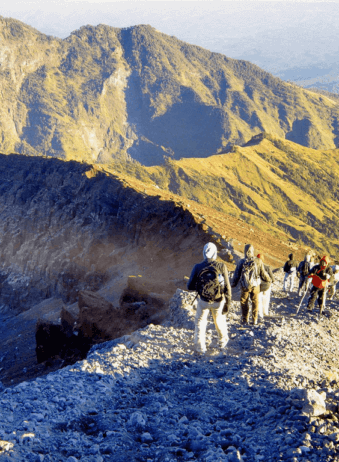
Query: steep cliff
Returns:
{"type": "Point", "coordinates": [66, 226]}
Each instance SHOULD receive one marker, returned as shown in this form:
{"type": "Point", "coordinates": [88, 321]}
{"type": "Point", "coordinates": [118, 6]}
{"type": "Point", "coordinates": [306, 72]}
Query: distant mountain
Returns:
{"type": "Point", "coordinates": [106, 93]}
{"type": "Point", "coordinates": [296, 41]}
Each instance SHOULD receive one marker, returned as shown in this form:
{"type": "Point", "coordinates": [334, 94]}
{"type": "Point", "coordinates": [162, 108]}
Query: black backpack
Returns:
{"type": "Point", "coordinates": [208, 285]}
{"type": "Point", "coordinates": [249, 276]}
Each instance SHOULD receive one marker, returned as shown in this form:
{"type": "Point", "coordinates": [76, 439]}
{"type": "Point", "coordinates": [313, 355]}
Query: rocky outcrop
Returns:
{"type": "Point", "coordinates": [97, 320]}
{"type": "Point", "coordinates": [147, 396]}
{"type": "Point", "coordinates": [67, 227]}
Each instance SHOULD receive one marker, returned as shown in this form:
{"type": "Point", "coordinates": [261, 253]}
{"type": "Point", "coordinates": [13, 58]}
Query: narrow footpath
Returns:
{"type": "Point", "coordinates": [271, 396]}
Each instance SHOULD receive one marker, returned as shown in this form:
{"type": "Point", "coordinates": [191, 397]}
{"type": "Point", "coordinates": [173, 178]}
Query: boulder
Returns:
{"type": "Point", "coordinates": [98, 318]}
{"type": "Point", "coordinates": [314, 404]}
{"type": "Point", "coordinates": [100, 321]}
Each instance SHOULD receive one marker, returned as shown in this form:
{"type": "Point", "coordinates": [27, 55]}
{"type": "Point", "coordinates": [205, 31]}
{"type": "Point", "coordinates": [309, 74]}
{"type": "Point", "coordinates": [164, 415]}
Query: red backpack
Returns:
{"type": "Point", "coordinates": [317, 281]}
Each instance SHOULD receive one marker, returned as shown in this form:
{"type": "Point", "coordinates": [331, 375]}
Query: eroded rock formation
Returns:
{"type": "Point", "coordinates": [65, 228]}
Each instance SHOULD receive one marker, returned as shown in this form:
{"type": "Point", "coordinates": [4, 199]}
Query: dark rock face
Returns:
{"type": "Point", "coordinates": [53, 342]}
{"type": "Point", "coordinates": [65, 228]}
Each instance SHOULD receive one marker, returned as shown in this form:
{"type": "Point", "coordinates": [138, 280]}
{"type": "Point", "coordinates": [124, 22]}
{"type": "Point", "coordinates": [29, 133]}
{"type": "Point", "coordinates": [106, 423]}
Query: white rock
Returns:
{"type": "Point", "coordinates": [314, 404]}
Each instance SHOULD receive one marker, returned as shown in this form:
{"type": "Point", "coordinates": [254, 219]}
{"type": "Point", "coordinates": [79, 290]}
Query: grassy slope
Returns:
{"type": "Point", "coordinates": [272, 184]}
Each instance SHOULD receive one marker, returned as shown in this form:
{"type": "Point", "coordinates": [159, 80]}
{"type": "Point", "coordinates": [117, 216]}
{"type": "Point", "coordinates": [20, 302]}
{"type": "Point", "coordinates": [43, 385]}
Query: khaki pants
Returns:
{"type": "Point", "coordinates": [203, 310]}
{"type": "Point", "coordinates": [245, 297]}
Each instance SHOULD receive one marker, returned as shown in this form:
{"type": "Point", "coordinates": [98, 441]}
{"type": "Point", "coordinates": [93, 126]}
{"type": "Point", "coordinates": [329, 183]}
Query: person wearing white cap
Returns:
{"type": "Point", "coordinates": [210, 279]}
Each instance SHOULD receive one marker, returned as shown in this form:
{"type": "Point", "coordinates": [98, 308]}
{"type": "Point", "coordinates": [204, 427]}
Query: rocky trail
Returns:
{"type": "Point", "coordinates": [271, 396]}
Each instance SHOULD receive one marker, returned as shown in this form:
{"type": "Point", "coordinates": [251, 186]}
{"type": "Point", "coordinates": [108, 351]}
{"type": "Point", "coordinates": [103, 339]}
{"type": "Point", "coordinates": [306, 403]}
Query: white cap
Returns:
{"type": "Point", "coordinates": [210, 251]}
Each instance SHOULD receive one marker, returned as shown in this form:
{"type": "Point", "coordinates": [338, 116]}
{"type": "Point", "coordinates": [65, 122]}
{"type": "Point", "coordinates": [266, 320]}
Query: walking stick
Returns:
{"type": "Point", "coordinates": [323, 303]}
{"type": "Point", "coordinates": [300, 303]}
{"type": "Point", "coordinates": [302, 298]}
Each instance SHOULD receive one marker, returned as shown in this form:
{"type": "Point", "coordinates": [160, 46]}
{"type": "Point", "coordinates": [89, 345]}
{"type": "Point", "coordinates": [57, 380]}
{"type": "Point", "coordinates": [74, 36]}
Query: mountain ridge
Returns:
{"type": "Point", "coordinates": [105, 93]}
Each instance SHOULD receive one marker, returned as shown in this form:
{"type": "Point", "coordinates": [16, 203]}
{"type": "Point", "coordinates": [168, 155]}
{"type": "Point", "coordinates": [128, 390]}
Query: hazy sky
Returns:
{"type": "Point", "coordinates": [276, 35]}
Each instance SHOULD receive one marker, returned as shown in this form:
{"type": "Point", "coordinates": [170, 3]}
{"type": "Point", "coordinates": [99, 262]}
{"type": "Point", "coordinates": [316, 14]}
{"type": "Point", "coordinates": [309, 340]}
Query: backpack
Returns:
{"type": "Point", "coordinates": [249, 277]}
{"type": "Point", "coordinates": [318, 282]}
{"type": "Point", "coordinates": [208, 283]}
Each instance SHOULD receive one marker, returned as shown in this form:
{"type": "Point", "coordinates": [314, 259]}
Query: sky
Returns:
{"type": "Point", "coordinates": [276, 35]}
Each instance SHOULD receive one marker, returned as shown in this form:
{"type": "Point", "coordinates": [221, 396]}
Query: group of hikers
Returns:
{"type": "Point", "coordinates": [211, 281]}
{"type": "Point", "coordinates": [322, 276]}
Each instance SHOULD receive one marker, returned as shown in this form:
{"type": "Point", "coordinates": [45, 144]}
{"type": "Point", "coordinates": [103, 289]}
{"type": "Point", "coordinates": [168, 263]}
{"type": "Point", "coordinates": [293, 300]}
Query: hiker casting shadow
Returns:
{"type": "Point", "coordinates": [265, 291]}
{"type": "Point", "coordinates": [290, 269]}
{"type": "Point", "coordinates": [210, 279]}
{"type": "Point", "coordinates": [320, 275]}
{"type": "Point", "coordinates": [249, 272]}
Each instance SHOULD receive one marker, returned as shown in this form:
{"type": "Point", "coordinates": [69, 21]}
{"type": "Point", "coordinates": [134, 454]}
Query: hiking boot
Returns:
{"type": "Point", "coordinates": [199, 351]}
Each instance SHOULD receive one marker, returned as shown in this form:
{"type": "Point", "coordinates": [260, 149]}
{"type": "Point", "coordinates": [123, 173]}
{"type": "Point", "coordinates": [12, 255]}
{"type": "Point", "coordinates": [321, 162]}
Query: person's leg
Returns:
{"type": "Point", "coordinates": [285, 282]}
{"type": "Point", "coordinates": [292, 279]}
{"type": "Point", "coordinates": [334, 291]}
{"type": "Point", "coordinates": [312, 298]}
{"type": "Point", "coordinates": [266, 301]}
{"type": "Point", "coordinates": [255, 303]}
{"type": "Point", "coordinates": [220, 323]}
{"type": "Point", "coordinates": [321, 295]}
{"type": "Point", "coordinates": [301, 285]}
{"type": "Point", "coordinates": [244, 303]}
{"type": "Point", "coordinates": [200, 325]}
{"type": "Point", "coordinates": [288, 282]}
{"type": "Point", "coordinates": [261, 305]}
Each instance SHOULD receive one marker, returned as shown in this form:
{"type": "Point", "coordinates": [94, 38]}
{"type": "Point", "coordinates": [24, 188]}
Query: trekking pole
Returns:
{"type": "Point", "coordinates": [194, 299]}
{"type": "Point", "coordinates": [302, 298]}
{"type": "Point", "coordinates": [323, 303]}
{"type": "Point", "coordinates": [300, 303]}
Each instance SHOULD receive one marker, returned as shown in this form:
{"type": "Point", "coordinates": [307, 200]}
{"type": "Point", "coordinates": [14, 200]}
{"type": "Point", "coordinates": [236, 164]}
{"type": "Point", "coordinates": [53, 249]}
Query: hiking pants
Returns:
{"type": "Point", "coordinates": [314, 294]}
{"type": "Point", "coordinates": [289, 281]}
{"type": "Point", "coordinates": [245, 297]}
{"type": "Point", "coordinates": [264, 302]}
{"type": "Point", "coordinates": [201, 318]}
{"type": "Point", "coordinates": [303, 283]}
{"type": "Point", "coordinates": [331, 291]}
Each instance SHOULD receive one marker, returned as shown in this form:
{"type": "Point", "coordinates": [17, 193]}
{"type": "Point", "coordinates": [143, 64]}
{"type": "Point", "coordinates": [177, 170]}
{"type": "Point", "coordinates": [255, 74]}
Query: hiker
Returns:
{"type": "Point", "coordinates": [320, 275]}
{"type": "Point", "coordinates": [332, 283]}
{"type": "Point", "coordinates": [249, 271]}
{"type": "Point", "coordinates": [265, 290]}
{"type": "Point", "coordinates": [213, 296]}
{"type": "Point", "coordinates": [303, 269]}
{"type": "Point", "coordinates": [290, 269]}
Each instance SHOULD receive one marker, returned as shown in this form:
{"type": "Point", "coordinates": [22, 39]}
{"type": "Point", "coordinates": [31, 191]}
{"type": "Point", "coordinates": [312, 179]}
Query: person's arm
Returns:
{"type": "Point", "coordinates": [313, 270]}
{"type": "Point", "coordinates": [237, 273]}
{"type": "Point", "coordinates": [264, 276]}
{"type": "Point", "coordinates": [193, 279]}
{"type": "Point", "coordinates": [270, 272]}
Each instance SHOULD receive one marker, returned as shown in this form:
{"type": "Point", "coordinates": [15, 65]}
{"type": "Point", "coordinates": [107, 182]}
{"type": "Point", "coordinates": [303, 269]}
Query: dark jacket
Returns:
{"type": "Point", "coordinates": [266, 285]}
{"type": "Point", "coordinates": [191, 285]}
{"type": "Point", "coordinates": [258, 263]}
{"type": "Point", "coordinates": [291, 263]}
{"type": "Point", "coordinates": [304, 268]}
